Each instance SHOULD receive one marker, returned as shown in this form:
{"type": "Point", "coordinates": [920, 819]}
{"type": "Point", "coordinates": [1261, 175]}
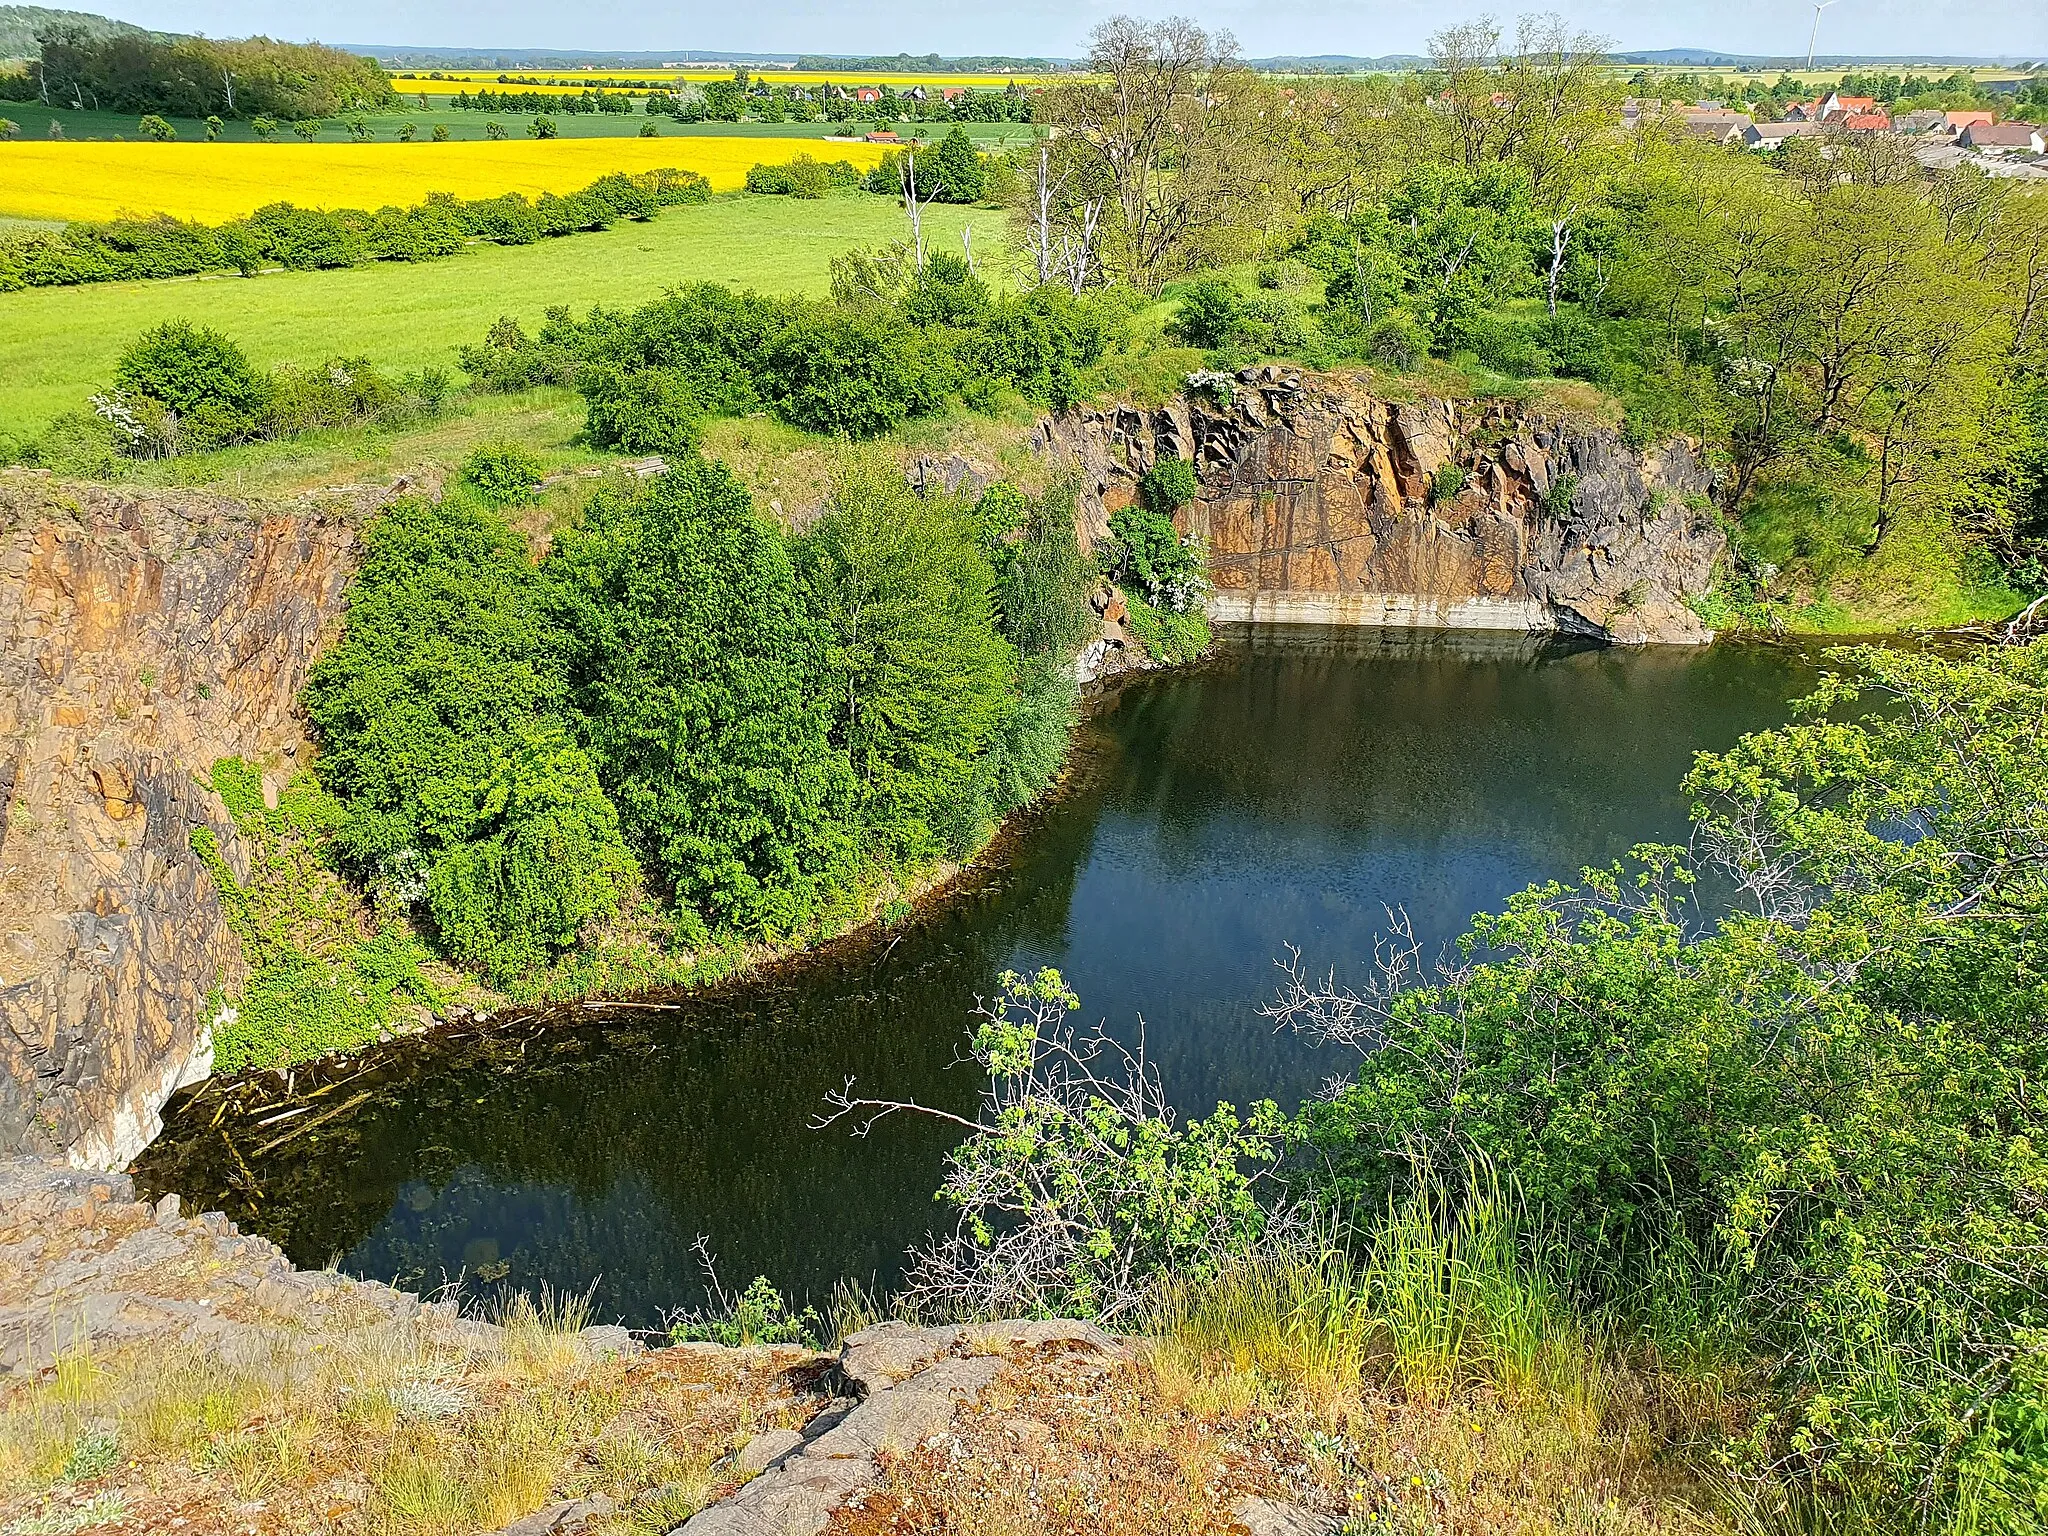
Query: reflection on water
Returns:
{"type": "Point", "coordinates": [1290, 791]}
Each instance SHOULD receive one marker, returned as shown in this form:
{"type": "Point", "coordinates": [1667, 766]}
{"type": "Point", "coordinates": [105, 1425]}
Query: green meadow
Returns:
{"type": "Point", "coordinates": [58, 345]}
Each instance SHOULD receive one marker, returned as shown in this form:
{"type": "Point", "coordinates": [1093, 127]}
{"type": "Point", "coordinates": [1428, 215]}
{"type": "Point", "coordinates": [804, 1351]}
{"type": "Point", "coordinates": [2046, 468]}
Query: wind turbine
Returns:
{"type": "Point", "coordinates": [1814, 36]}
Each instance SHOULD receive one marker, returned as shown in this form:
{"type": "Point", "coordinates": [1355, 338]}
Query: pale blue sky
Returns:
{"type": "Point", "coordinates": [1060, 27]}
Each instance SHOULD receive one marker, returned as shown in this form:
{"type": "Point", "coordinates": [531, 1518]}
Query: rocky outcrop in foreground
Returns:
{"type": "Point", "coordinates": [86, 1269]}
{"type": "Point", "coordinates": [142, 637]}
{"type": "Point", "coordinates": [1322, 502]}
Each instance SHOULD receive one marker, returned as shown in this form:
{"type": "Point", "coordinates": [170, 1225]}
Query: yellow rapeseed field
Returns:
{"type": "Point", "coordinates": [217, 182]}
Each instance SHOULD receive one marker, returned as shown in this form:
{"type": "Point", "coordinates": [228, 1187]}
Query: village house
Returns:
{"type": "Point", "coordinates": [1956, 122]}
{"type": "Point", "coordinates": [1771, 135]}
{"type": "Point", "coordinates": [867, 95]}
{"type": "Point", "coordinates": [1863, 122]}
{"type": "Point", "coordinates": [1926, 120]}
{"type": "Point", "coordinates": [2003, 138]}
{"type": "Point", "coordinates": [1721, 127]}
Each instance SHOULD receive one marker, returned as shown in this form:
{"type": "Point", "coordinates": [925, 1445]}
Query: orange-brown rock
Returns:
{"type": "Point", "coordinates": [142, 637]}
{"type": "Point", "coordinates": [1322, 502]}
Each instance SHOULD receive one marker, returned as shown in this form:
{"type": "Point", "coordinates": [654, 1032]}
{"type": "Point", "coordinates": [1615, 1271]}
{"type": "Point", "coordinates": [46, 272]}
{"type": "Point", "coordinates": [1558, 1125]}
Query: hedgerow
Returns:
{"type": "Point", "coordinates": [304, 239]}
{"type": "Point", "coordinates": [890, 346]}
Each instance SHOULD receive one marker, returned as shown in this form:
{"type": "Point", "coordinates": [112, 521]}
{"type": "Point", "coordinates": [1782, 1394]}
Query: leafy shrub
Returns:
{"type": "Point", "coordinates": [629, 197]}
{"type": "Point", "coordinates": [650, 410]}
{"type": "Point", "coordinates": [1077, 1191]}
{"type": "Point", "coordinates": [1397, 342]}
{"type": "Point", "coordinates": [1575, 345]}
{"type": "Point", "coordinates": [1507, 346]}
{"type": "Point", "coordinates": [757, 1315]}
{"type": "Point", "coordinates": [849, 374]}
{"type": "Point", "coordinates": [1445, 484]}
{"type": "Point", "coordinates": [503, 474]}
{"type": "Point", "coordinates": [540, 857]}
{"type": "Point", "coordinates": [1209, 313]}
{"type": "Point", "coordinates": [1797, 1118]}
{"type": "Point", "coordinates": [800, 176]}
{"type": "Point", "coordinates": [1168, 485]}
{"type": "Point", "coordinates": [1170, 635]}
{"type": "Point", "coordinates": [197, 375]}
{"type": "Point", "coordinates": [1148, 551]}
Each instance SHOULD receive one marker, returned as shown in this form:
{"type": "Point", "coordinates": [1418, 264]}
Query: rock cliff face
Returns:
{"type": "Point", "coordinates": [1323, 503]}
{"type": "Point", "coordinates": [141, 638]}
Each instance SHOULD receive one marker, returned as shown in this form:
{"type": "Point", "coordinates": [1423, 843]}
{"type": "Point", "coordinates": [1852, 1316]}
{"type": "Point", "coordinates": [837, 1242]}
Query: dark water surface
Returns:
{"type": "Point", "coordinates": [1288, 792]}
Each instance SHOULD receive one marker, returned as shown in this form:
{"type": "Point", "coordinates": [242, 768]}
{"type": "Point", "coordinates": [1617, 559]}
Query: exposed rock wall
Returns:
{"type": "Point", "coordinates": [1319, 503]}
{"type": "Point", "coordinates": [142, 637]}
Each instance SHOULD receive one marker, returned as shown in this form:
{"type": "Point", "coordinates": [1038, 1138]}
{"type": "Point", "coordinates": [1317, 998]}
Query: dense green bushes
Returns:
{"type": "Point", "coordinates": [182, 388]}
{"type": "Point", "coordinates": [444, 732]}
{"type": "Point", "coordinates": [303, 239]}
{"type": "Point", "coordinates": [1808, 1132]}
{"type": "Point", "coordinates": [802, 176]}
{"type": "Point", "coordinates": [893, 347]}
{"type": "Point", "coordinates": [701, 680]}
{"type": "Point", "coordinates": [754, 727]}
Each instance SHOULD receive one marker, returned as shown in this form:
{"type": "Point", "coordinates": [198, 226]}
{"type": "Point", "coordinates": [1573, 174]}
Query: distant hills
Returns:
{"type": "Point", "coordinates": [20, 23]}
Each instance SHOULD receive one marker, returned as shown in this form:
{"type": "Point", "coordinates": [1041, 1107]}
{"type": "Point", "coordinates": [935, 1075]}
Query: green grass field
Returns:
{"type": "Point", "coordinates": [34, 123]}
{"type": "Point", "coordinates": [58, 345]}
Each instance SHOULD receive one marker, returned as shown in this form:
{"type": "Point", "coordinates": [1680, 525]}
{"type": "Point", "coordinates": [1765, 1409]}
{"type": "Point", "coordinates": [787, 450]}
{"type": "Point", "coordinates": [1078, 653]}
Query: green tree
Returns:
{"type": "Point", "coordinates": [157, 129]}
{"type": "Point", "coordinates": [701, 680]}
{"type": "Point", "coordinates": [443, 730]}
{"type": "Point", "coordinates": [956, 170]}
{"type": "Point", "coordinates": [921, 676]}
{"type": "Point", "coordinates": [723, 100]}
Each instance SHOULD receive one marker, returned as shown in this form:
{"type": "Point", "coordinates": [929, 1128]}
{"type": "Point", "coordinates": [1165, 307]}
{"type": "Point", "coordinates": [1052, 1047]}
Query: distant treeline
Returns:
{"type": "Point", "coordinates": [931, 63]}
{"type": "Point", "coordinates": [302, 239]}
{"type": "Point", "coordinates": [540, 101]}
{"type": "Point", "coordinates": [195, 76]}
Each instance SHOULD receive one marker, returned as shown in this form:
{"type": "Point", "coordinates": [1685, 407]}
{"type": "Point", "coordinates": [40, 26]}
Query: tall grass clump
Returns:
{"type": "Point", "coordinates": [1445, 1294]}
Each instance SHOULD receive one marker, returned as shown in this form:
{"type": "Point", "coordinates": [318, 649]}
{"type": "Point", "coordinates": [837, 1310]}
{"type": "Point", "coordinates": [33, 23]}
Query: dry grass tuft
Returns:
{"type": "Point", "coordinates": [391, 1430]}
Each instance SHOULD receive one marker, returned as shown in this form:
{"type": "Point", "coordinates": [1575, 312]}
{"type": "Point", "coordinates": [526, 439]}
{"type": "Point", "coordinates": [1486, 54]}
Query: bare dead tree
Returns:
{"type": "Point", "coordinates": [906, 171]}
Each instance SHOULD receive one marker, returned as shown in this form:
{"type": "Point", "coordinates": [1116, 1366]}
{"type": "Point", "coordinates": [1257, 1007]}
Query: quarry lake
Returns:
{"type": "Point", "coordinates": [1291, 790]}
